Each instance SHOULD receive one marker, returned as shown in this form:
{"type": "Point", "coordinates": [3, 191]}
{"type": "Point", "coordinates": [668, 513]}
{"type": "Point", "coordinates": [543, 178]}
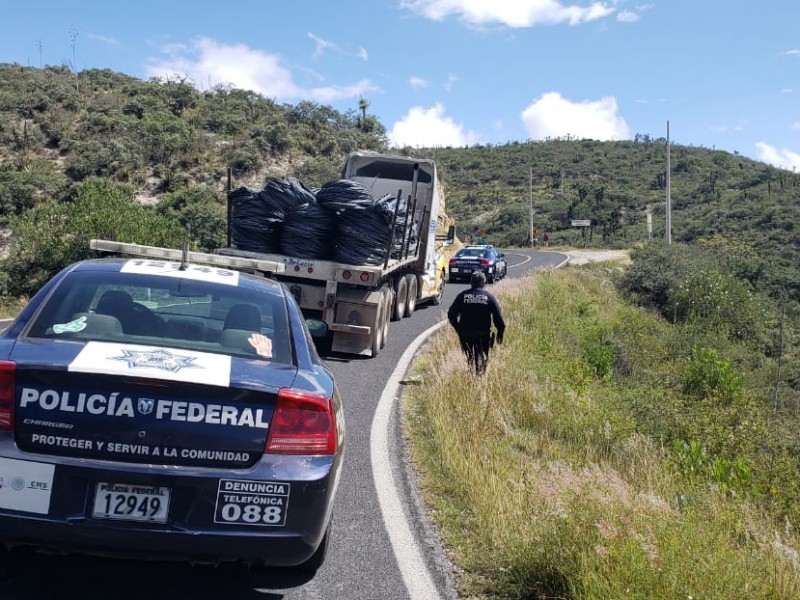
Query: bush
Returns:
{"type": "Point", "coordinates": [201, 212]}
{"type": "Point", "coordinates": [720, 301]}
{"type": "Point", "coordinates": [707, 375]}
{"type": "Point", "coordinates": [49, 237]}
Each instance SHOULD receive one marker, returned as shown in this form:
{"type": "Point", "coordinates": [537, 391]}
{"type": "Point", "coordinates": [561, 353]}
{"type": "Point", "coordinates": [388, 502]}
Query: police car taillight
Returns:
{"type": "Point", "coordinates": [484, 262]}
{"type": "Point", "coordinates": [452, 261]}
{"type": "Point", "coordinates": [8, 379]}
{"type": "Point", "coordinates": [303, 423]}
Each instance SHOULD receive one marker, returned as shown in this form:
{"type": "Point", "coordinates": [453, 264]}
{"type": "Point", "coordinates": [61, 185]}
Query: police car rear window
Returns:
{"type": "Point", "coordinates": [473, 252]}
{"type": "Point", "coordinates": [192, 314]}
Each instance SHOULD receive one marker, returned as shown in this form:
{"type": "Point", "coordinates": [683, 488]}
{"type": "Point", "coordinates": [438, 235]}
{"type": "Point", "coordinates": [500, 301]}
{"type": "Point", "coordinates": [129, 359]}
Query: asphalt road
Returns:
{"type": "Point", "coordinates": [361, 563]}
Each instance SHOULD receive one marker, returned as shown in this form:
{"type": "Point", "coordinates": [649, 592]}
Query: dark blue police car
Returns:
{"type": "Point", "coordinates": [481, 257]}
{"type": "Point", "coordinates": [162, 410]}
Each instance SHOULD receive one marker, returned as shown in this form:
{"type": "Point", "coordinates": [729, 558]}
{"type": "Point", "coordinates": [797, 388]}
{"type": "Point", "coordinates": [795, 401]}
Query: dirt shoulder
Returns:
{"type": "Point", "coordinates": [581, 257]}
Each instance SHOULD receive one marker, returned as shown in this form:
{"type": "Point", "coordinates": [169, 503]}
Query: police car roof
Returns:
{"type": "Point", "coordinates": [246, 280]}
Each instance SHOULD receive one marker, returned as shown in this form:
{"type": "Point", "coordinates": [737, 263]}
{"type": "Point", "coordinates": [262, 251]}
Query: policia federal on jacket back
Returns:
{"type": "Point", "coordinates": [472, 315]}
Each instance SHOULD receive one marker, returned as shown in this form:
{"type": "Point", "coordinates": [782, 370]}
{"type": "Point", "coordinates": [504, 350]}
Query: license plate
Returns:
{"type": "Point", "coordinates": [454, 269]}
{"type": "Point", "coordinates": [131, 502]}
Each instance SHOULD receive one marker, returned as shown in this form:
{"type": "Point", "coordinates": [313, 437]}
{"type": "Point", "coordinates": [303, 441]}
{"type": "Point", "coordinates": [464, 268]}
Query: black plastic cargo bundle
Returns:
{"type": "Point", "coordinates": [308, 229]}
{"type": "Point", "coordinates": [341, 221]}
{"type": "Point", "coordinates": [286, 194]}
{"type": "Point", "coordinates": [363, 223]}
{"type": "Point", "coordinates": [363, 235]}
{"type": "Point", "coordinates": [255, 224]}
{"type": "Point", "coordinates": [344, 194]}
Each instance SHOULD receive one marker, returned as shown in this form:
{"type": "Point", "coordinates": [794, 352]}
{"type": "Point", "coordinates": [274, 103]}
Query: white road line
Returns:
{"type": "Point", "coordinates": [417, 578]}
{"type": "Point", "coordinates": [527, 259]}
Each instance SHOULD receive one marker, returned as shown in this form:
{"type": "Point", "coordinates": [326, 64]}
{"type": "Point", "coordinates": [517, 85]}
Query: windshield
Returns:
{"type": "Point", "coordinates": [472, 252]}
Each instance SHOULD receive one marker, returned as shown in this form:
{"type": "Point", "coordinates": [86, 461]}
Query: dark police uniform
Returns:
{"type": "Point", "coordinates": [472, 314]}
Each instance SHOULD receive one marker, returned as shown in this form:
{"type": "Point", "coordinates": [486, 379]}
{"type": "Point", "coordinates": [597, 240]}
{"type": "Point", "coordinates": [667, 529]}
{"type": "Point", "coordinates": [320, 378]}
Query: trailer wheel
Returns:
{"type": "Point", "coordinates": [377, 328]}
{"type": "Point", "coordinates": [400, 298]}
{"type": "Point", "coordinates": [386, 314]}
{"type": "Point", "coordinates": [411, 302]}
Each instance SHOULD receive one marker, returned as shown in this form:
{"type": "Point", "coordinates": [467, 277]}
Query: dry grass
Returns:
{"type": "Point", "coordinates": [543, 488]}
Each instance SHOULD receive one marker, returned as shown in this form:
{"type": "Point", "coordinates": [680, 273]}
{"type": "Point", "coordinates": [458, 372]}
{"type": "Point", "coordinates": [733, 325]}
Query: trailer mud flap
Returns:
{"type": "Point", "coordinates": [353, 324]}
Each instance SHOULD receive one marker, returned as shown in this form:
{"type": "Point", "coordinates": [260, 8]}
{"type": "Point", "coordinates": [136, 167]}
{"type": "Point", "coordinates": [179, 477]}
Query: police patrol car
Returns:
{"type": "Point", "coordinates": [479, 257]}
{"type": "Point", "coordinates": [168, 409]}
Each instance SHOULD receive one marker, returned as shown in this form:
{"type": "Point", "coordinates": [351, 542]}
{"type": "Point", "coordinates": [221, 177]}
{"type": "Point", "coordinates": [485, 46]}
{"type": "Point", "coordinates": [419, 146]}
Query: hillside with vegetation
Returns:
{"type": "Point", "coordinates": [691, 352]}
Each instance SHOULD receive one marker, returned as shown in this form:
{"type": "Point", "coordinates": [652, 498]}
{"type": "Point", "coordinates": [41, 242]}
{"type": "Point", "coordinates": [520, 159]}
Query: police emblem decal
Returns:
{"type": "Point", "coordinates": [160, 359]}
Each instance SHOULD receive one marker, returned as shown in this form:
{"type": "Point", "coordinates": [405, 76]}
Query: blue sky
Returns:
{"type": "Point", "coordinates": [724, 73]}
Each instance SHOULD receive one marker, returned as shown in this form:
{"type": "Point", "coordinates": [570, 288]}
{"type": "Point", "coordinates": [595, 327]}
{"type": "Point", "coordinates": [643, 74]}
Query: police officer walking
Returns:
{"type": "Point", "coordinates": [472, 314]}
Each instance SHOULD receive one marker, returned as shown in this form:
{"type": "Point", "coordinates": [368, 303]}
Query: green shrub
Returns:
{"type": "Point", "coordinates": [47, 238]}
{"type": "Point", "coordinates": [720, 301]}
{"type": "Point", "coordinates": [707, 375]}
{"type": "Point", "coordinates": [600, 359]}
{"type": "Point", "coordinates": [201, 212]}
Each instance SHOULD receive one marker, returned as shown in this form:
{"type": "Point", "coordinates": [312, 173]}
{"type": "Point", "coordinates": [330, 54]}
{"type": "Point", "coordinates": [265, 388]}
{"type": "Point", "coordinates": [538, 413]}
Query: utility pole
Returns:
{"type": "Point", "coordinates": [668, 224]}
{"type": "Point", "coordinates": [530, 202]}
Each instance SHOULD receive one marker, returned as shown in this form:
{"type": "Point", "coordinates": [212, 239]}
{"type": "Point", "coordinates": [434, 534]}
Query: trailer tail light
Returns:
{"type": "Point", "coordinates": [8, 380]}
{"type": "Point", "coordinates": [303, 423]}
{"type": "Point", "coordinates": [484, 262]}
{"type": "Point", "coordinates": [346, 274]}
{"type": "Point", "coordinates": [364, 277]}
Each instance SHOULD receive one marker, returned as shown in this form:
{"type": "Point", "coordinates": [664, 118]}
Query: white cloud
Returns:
{"type": "Point", "coordinates": [322, 45]}
{"type": "Point", "coordinates": [778, 157]}
{"type": "Point", "coordinates": [551, 115]}
{"type": "Point", "coordinates": [794, 52]}
{"type": "Point", "coordinates": [511, 13]}
{"type": "Point", "coordinates": [627, 16]}
{"type": "Point", "coordinates": [209, 63]}
{"type": "Point", "coordinates": [417, 82]}
{"type": "Point", "coordinates": [787, 91]}
{"type": "Point", "coordinates": [103, 38]}
{"type": "Point", "coordinates": [333, 93]}
{"type": "Point", "coordinates": [450, 83]}
{"type": "Point", "coordinates": [796, 126]}
{"type": "Point", "coordinates": [727, 128]}
{"type": "Point", "coordinates": [430, 127]}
